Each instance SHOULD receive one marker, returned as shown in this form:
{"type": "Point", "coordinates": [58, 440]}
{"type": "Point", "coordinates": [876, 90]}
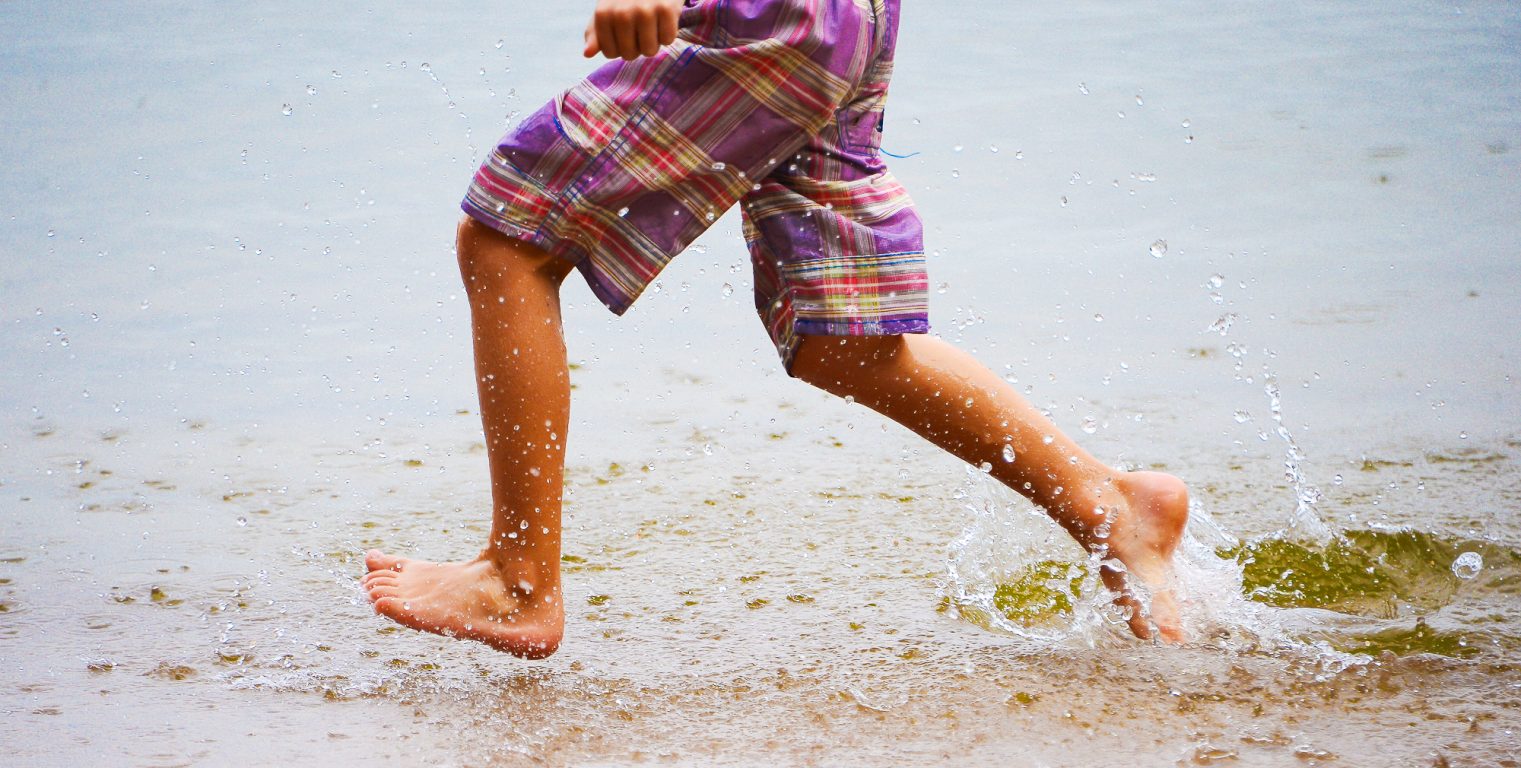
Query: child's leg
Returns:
{"type": "Point", "coordinates": [953, 401]}
{"type": "Point", "coordinates": [509, 596]}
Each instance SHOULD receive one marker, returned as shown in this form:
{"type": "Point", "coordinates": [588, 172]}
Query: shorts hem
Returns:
{"type": "Point", "coordinates": [565, 250]}
{"type": "Point", "coordinates": [857, 328]}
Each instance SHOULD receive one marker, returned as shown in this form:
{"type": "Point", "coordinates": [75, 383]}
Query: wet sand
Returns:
{"type": "Point", "coordinates": [236, 357]}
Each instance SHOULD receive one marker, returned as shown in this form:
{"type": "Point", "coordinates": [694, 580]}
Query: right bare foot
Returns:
{"type": "Point", "coordinates": [1144, 532]}
{"type": "Point", "coordinates": [470, 600]}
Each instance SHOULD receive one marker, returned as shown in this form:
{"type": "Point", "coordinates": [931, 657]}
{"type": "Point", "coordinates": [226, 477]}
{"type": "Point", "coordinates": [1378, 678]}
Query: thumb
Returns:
{"type": "Point", "coordinates": [592, 46]}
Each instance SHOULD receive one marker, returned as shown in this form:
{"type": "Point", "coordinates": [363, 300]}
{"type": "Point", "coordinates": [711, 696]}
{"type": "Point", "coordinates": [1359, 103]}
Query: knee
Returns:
{"type": "Point", "coordinates": [490, 260]}
{"type": "Point", "coordinates": [473, 246]}
{"type": "Point", "coordinates": [837, 363]}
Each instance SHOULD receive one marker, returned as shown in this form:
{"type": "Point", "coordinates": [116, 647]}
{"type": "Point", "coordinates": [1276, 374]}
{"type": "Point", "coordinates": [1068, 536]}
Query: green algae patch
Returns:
{"type": "Point", "coordinates": [1405, 641]}
{"type": "Point", "coordinates": [1365, 572]}
{"type": "Point", "coordinates": [1039, 594]}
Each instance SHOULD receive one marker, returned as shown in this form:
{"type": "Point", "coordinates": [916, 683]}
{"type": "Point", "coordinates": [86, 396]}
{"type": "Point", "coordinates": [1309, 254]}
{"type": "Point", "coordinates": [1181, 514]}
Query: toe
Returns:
{"type": "Point", "coordinates": [391, 606]}
{"type": "Point", "coordinates": [1140, 625]}
{"type": "Point", "coordinates": [377, 560]}
{"type": "Point", "coordinates": [1168, 624]}
{"type": "Point", "coordinates": [378, 577]}
{"type": "Point", "coordinates": [384, 591]}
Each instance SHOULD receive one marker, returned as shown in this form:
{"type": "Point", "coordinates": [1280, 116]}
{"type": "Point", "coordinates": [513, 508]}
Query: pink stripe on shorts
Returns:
{"type": "Point", "coordinates": [775, 104]}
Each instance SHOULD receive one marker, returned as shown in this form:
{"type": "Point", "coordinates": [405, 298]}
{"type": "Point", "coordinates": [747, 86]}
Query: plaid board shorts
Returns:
{"type": "Point", "coordinates": [775, 104]}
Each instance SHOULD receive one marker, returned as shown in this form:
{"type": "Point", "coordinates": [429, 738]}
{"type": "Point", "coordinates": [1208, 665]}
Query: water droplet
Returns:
{"type": "Point", "coordinates": [1008, 453]}
{"type": "Point", "coordinates": [1047, 439]}
{"type": "Point", "coordinates": [339, 76]}
{"type": "Point", "coordinates": [985, 468]}
{"type": "Point", "coordinates": [622, 211]}
{"type": "Point", "coordinates": [1187, 123]}
{"type": "Point", "coordinates": [1090, 425]}
{"type": "Point", "coordinates": [1139, 101]}
{"type": "Point", "coordinates": [710, 215]}
{"type": "Point", "coordinates": [1098, 318]}
{"type": "Point", "coordinates": [1467, 565]}
{"type": "Point", "coordinates": [957, 148]}
{"type": "Point", "coordinates": [955, 174]}
{"type": "Point", "coordinates": [728, 290]}
{"type": "Point", "coordinates": [1222, 326]}
{"type": "Point", "coordinates": [707, 449]}
{"type": "Point", "coordinates": [942, 288]}
{"type": "Point", "coordinates": [1159, 249]}
{"type": "Point", "coordinates": [850, 399]}
{"type": "Point", "coordinates": [500, 43]}
{"type": "Point", "coordinates": [426, 67]}
{"type": "Point", "coordinates": [242, 521]}
{"type": "Point", "coordinates": [311, 90]}
{"type": "Point", "coordinates": [1216, 280]}
{"type": "Point", "coordinates": [286, 110]}
{"type": "Point", "coordinates": [993, 148]}
{"type": "Point", "coordinates": [719, 167]}
{"type": "Point", "coordinates": [1082, 88]}
{"type": "Point", "coordinates": [1242, 417]}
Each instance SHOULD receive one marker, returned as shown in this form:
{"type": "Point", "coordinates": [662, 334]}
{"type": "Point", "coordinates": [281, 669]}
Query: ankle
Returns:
{"type": "Point", "coordinates": [524, 576]}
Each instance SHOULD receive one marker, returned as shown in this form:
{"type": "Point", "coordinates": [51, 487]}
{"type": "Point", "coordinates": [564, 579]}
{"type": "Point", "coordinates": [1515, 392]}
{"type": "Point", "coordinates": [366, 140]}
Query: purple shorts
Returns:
{"type": "Point", "coordinates": [774, 104]}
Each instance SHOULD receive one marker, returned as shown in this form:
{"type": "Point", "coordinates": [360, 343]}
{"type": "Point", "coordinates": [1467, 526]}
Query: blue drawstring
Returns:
{"type": "Point", "coordinates": [900, 157]}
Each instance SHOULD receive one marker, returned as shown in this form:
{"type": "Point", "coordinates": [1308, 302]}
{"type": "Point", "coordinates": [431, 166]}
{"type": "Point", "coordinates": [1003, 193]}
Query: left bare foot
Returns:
{"type": "Point", "coordinates": [472, 600]}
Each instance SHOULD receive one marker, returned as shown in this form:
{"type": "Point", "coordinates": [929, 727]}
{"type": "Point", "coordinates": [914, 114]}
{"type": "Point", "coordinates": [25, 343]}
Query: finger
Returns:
{"type": "Point", "coordinates": [628, 43]}
{"type": "Point", "coordinates": [606, 41]}
{"type": "Point", "coordinates": [590, 37]}
{"type": "Point", "coordinates": [648, 34]}
{"type": "Point", "coordinates": [666, 23]}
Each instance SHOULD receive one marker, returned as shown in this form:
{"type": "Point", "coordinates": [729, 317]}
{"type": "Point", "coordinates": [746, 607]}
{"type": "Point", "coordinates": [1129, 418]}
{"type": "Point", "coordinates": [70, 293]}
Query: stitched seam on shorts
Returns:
{"type": "Point", "coordinates": [597, 163]}
{"type": "Point", "coordinates": [718, 23]}
{"type": "Point", "coordinates": [878, 43]}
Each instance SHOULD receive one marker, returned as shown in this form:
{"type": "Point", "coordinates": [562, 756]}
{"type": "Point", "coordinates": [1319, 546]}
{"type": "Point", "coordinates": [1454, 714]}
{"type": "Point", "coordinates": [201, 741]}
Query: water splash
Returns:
{"type": "Point", "coordinates": [1305, 519]}
{"type": "Point", "coordinates": [1338, 601]}
{"type": "Point", "coordinates": [1012, 571]}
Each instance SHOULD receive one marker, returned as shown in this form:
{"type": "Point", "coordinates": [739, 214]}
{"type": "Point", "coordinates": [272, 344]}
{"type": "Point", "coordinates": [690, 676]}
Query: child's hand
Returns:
{"type": "Point", "coordinates": [631, 28]}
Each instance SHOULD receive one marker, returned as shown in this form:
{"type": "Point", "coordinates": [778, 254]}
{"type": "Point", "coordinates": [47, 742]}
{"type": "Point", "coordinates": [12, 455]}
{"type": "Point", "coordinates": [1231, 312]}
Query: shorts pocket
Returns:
{"type": "Point", "coordinates": [860, 130]}
{"type": "Point", "coordinates": [588, 118]}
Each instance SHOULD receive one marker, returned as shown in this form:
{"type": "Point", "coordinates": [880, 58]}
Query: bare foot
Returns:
{"type": "Point", "coordinates": [470, 600]}
{"type": "Point", "coordinates": [1143, 534]}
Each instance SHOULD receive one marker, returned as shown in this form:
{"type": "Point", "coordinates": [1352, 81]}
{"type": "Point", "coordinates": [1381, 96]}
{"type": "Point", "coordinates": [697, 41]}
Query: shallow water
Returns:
{"type": "Point", "coordinates": [235, 357]}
